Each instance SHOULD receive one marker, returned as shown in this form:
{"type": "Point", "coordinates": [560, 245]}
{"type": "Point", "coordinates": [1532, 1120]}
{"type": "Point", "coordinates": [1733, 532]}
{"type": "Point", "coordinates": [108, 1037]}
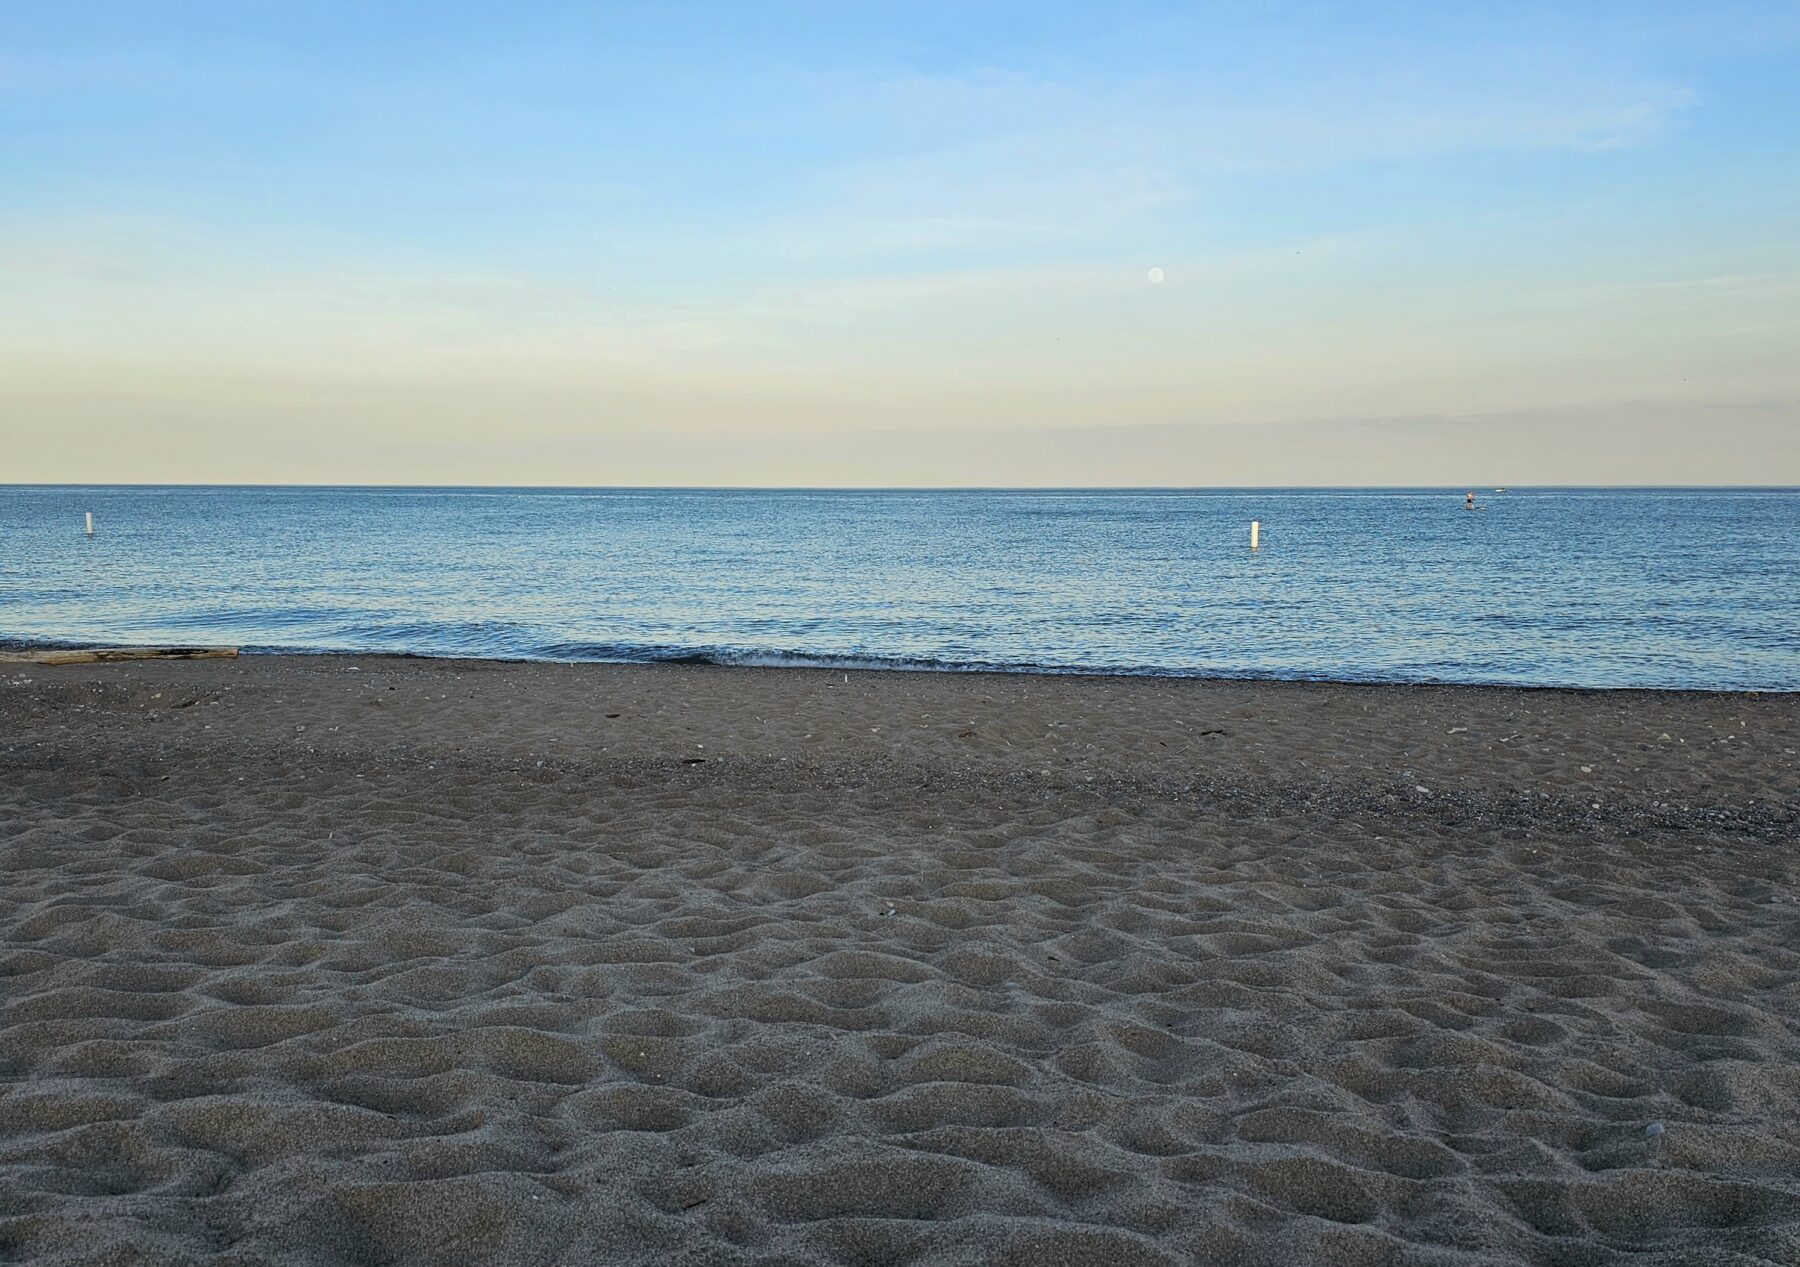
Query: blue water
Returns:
{"type": "Point", "coordinates": [1652, 587]}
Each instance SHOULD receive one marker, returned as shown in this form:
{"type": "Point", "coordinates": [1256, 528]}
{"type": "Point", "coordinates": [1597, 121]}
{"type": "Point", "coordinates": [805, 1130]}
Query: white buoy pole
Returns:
{"type": "Point", "coordinates": [90, 523]}
{"type": "Point", "coordinates": [1255, 529]}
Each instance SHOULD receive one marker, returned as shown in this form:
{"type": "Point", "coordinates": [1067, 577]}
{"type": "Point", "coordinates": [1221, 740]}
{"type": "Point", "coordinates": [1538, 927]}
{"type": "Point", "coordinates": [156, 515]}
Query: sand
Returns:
{"type": "Point", "coordinates": [366, 961]}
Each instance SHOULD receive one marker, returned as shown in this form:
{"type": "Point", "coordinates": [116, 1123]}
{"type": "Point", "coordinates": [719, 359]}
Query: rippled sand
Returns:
{"type": "Point", "coordinates": [378, 961]}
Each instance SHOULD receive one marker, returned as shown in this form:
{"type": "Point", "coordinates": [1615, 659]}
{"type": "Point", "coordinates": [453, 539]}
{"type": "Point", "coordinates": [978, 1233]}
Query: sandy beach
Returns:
{"type": "Point", "coordinates": [379, 961]}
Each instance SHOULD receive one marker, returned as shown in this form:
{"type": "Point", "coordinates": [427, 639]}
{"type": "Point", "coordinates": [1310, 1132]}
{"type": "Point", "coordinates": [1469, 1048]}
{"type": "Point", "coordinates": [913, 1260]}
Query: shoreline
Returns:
{"type": "Point", "coordinates": [785, 661]}
{"type": "Point", "coordinates": [377, 959]}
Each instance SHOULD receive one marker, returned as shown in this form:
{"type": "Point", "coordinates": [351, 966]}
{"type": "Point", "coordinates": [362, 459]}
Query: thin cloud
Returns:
{"type": "Point", "coordinates": [1004, 159]}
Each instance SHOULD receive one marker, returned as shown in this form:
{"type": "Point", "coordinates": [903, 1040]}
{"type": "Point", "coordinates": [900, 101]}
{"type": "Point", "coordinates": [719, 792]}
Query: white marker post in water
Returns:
{"type": "Point", "coordinates": [1255, 528]}
{"type": "Point", "coordinates": [90, 523]}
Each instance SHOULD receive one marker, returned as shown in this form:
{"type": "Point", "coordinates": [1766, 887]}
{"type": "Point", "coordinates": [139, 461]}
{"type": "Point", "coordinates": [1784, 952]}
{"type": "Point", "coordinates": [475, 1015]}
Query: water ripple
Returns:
{"type": "Point", "coordinates": [1653, 587]}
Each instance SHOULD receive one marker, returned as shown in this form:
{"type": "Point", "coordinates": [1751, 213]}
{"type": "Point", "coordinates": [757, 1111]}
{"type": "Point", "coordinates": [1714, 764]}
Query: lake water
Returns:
{"type": "Point", "coordinates": [1590, 587]}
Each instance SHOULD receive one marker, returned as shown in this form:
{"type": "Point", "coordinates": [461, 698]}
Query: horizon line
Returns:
{"type": "Point", "coordinates": [906, 488]}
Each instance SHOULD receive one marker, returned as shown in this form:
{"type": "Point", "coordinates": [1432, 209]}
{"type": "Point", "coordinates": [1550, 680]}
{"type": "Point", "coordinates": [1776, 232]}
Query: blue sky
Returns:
{"type": "Point", "coordinates": [783, 243]}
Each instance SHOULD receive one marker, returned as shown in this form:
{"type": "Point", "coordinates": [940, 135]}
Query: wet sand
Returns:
{"type": "Point", "coordinates": [381, 961]}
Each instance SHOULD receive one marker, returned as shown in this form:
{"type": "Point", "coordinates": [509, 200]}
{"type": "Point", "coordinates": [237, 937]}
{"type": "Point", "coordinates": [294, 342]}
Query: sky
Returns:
{"type": "Point", "coordinates": [923, 243]}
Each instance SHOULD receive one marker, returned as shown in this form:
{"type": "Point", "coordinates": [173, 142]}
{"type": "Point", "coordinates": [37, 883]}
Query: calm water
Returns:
{"type": "Point", "coordinates": [1670, 588]}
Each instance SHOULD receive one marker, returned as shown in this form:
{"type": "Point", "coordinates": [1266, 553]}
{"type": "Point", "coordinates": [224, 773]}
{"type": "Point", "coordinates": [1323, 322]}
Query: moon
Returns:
{"type": "Point", "coordinates": [1156, 276]}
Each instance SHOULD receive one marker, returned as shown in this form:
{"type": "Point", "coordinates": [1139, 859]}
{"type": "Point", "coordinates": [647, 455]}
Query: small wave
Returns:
{"type": "Point", "coordinates": [782, 658]}
{"type": "Point", "coordinates": [739, 657]}
{"type": "Point", "coordinates": [907, 664]}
